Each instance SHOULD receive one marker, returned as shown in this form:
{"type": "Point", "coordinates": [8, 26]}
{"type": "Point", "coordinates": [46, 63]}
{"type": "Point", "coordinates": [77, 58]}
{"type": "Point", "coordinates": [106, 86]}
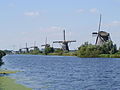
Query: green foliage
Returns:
{"type": "Point", "coordinates": [35, 51]}
{"type": "Point", "coordinates": [88, 50]}
{"type": "Point", "coordinates": [49, 50]}
{"type": "Point", "coordinates": [8, 51]}
{"type": "Point", "coordinates": [59, 51]}
{"type": "Point", "coordinates": [108, 48]}
{"type": "Point", "coordinates": [2, 53]}
{"type": "Point", "coordinates": [110, 55]}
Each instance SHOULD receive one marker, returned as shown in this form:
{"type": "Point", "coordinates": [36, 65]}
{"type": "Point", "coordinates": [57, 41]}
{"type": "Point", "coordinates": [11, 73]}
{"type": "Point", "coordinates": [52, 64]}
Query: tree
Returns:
{"type": "Point", "coordinates": [108, 48]}
{"type": "Point", "coordinates": [2, 53]}
{"type": "Point", "coordinates": [49, 50]}
{"type": "Point", "coordinates": [59, 51]}
{"type": "Point", "coordinates": [88, 50]}
{"type": "Point", "coordinates": [35, 51]}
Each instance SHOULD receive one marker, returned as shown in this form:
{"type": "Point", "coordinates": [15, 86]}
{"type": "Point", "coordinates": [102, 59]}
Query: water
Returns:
{"type": "Point", "coordinates": [64, 73]}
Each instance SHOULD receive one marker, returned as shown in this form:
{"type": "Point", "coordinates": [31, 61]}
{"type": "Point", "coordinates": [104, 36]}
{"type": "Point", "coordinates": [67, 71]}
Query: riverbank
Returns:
{"type": "Point", "coordinates": [7, 83]}
{"type": "Point", "coordinates": [109, 55]}
{"type": "Point", "coordinates": [76, 54]}
{"type": "Point", "coordinates": [57, 54]}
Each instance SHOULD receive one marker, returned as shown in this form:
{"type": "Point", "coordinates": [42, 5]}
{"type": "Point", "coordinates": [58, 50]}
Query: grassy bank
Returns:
{"type": "Point", "coordinates": [76, 54]}
{"type": "Point", "coordinates": [109, 55]}
{"type": "Point", "coordinates": [64, 54]}
{"type": "Point", "coordinates": [7, 72]}
{"type": "Point", "coordinates": [9, 84]}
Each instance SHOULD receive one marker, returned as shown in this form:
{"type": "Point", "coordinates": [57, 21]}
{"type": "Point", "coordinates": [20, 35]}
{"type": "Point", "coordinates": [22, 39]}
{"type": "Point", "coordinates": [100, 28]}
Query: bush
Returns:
{"type": "Point", "coordinates": [49, 50]}
{"type": "Point", "coordinates": [105, 50]}
{"type": "Point", "coordinates": [2, 53]}
{"type": "Point", "coordinates": [88, 50]}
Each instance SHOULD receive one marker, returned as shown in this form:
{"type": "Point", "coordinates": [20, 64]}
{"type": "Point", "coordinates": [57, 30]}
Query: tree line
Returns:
{"type": "Point", "coordinates": [108, 49]}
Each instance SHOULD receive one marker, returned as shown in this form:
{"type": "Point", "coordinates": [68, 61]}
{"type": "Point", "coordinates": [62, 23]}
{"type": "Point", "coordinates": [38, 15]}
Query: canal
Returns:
{"type": "Point", "coordinates": [64, 72]}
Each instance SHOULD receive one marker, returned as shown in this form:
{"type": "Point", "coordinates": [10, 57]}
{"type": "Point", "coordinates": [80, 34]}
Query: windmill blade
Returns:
{"type": "Point", "coordinates": [58, 42]}
{"type": "Point", "coordinates": [96, 40]}
{"type": "Point", "coordinates": [94, 34]}
{"type": "Point", "coordinates": [43, 45]}
{"type": "Point", "coordinates": [32, 47]}
{"type": "Point", "coordinates": [99, 23]}
{"type": "Point", "coordinates": [64, 35]}
{"type": "Point", "coordinates": [71, 41]}
{"type": "Point", "coordinates": [102, 39]}
{"type": "Point", "coordinates": [46, 40]}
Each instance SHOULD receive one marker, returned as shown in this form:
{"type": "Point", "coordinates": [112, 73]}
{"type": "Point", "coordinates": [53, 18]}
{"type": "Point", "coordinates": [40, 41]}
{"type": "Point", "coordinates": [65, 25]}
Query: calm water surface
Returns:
{"type": "Point", "coordinates": [64, 73]}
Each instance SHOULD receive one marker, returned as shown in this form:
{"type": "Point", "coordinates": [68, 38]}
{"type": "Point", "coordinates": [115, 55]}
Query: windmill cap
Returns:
{"type": "Point", "coordinates": [103, 33]}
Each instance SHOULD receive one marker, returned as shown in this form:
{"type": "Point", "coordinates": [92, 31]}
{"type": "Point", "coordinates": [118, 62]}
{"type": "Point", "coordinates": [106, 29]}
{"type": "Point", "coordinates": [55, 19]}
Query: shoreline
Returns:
{"type": "Point", "coordinates": [7, 83]}
{"type": "Point", "coordinates": [69, 54]}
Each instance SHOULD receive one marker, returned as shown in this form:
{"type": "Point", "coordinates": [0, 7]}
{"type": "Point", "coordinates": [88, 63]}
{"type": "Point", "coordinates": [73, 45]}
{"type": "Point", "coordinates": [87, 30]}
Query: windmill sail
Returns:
{"type": "Point", "coordinates": [100, 23]}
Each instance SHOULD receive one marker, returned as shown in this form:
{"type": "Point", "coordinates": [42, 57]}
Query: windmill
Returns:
{"type": "Point", "coordinates": [65, 43]}
{"type": "Point", "coordinates": [46, 45]}
{"type": "Point", "coordinates": [26, 49]}
{"type": "Point", "coordinates": [102, 36]}
{"type": "Point", "coordinates": [34, 47]}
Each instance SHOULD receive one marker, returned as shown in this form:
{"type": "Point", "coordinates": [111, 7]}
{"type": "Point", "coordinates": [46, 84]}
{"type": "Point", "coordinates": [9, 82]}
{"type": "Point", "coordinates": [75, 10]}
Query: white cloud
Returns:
{"type": "Point", "coordinates": [33, 13]}
{"type": "Point", "coordinates": [94, 10]}
{"type": "Point", "coordinates": [52, 29]}
{"type": "Point", "coordinates": [113, 24]}
{"type": "Point", "coordinates": [80, 10]}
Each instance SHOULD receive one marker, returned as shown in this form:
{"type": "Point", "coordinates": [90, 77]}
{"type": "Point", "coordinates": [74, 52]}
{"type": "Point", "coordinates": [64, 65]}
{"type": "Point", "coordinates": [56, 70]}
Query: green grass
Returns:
{"type": "Point", "coordinates": [117, 55]}
{"type": "Point", "coordinates": [7, 71]}
{"type": "Point", "coordinates": [9, 84]}
{"type": "Point", "coordinates": [110, 55]}
{"type": "Point", "coordinates": [64, 54]}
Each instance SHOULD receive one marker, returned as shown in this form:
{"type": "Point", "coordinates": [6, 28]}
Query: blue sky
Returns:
{"type": "Point", "coordinates": [24, 21]}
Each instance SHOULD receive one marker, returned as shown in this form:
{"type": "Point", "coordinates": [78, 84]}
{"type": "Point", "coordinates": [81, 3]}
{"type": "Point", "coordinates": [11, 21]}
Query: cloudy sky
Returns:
{"type": "Point", "coordinates": [24, 21]}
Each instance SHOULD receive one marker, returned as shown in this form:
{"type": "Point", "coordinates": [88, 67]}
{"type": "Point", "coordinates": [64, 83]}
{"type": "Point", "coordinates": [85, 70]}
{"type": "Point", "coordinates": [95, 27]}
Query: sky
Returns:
{"type": "Point", "coordinates": [29, 21]}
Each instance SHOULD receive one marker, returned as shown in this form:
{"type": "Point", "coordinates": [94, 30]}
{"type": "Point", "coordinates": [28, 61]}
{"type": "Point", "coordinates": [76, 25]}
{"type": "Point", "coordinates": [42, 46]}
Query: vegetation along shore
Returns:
{"type": "Point", "coordinates": [86, 50]}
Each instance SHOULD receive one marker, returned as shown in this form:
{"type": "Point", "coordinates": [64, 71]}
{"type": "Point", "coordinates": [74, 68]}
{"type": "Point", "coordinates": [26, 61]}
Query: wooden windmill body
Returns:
{"type": "Point", "coordinates": [46, 45]}
{"type": "Point", "coordinates": [102, 36]}
{"type": "Point", "coordinates": [65, 43]}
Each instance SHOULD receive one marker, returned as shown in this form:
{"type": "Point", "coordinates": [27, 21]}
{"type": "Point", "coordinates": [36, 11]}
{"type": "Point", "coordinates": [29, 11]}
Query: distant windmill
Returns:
{"type": "Point", "coordinates": [64, 43]}
{"type": "Point", "coordinates": [26, 49]}
{"type": "Point", "coordinates": [46, 45]}
{"type": "Point", "coordinates": [102, 36]}
{"type": "Point", "coordinates": [34, 47]}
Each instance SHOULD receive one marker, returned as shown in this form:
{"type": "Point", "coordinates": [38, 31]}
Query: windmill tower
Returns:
{"type": "Point", "coordinates": [45, 45]}
{"type": "Point", "coordinates": [102, 36]}
{"type": "Point", "coordinates": [65, 43]}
